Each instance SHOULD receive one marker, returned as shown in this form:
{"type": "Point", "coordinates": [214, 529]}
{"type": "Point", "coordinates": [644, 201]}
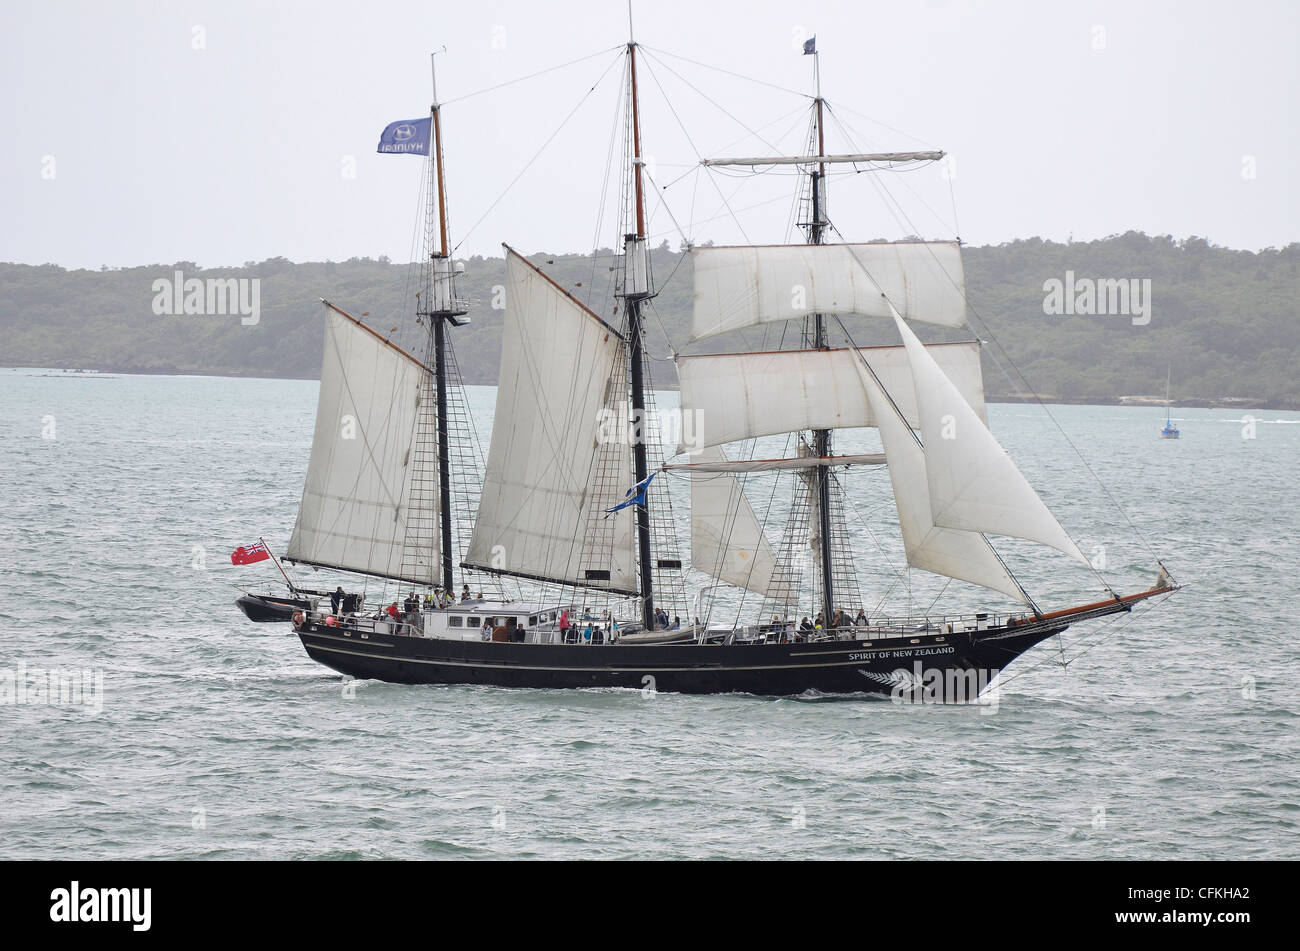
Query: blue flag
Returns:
{"type": "Point", "coordinates": [635, 495]}
{"type": "Point", "coordinates": [410, 137]}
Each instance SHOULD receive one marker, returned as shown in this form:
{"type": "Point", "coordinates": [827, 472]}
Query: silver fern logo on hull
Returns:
{"type": "Point", "coordinates": [939, 685]}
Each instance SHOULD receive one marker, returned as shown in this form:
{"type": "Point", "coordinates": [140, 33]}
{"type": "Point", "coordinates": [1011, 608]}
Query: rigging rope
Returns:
{"type": "Point", "coordinates": [536, 156]}
{"type": "Point", "coordinates": [543, 72]}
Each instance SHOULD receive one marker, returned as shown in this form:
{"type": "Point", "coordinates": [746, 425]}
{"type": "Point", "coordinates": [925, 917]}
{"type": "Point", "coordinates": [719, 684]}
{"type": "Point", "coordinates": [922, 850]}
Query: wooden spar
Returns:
{"type": "Point", "coordinates": [636, 146]}
{"type": "Point", "coordinates": [1123, 601]}
{"type": "Point", "coordinates": [442, 188]}
{"type": "Point", "coordinates": [854, 159]}
{"type": "Point", "coordinates": [550, 280]}
{"type": "Point", "coordinates": [287, 579]}
{"type": "Point", "coordinates": [794, 462]}
{"type": "Point", "coordinates": [377, 335]}
{"type": "Point", "coordinates": [436, 111]}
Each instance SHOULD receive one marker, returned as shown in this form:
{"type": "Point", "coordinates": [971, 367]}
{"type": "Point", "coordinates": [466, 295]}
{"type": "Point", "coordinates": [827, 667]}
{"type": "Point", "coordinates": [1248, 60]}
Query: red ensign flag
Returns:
{"type": "Point", "coordinates": [246, 555]}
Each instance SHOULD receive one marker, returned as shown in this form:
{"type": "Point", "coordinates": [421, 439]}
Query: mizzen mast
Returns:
{"type": "Point", "coordinates": [821, 437]}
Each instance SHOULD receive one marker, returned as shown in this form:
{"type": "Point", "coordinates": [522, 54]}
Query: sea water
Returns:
{"type": "Point", "coordinates": [173, 727]}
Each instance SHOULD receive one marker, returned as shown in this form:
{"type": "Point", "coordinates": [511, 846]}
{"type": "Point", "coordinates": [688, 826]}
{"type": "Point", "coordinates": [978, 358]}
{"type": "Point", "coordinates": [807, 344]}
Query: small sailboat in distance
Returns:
{"type": "Point", "coordinates": [1170, 431]}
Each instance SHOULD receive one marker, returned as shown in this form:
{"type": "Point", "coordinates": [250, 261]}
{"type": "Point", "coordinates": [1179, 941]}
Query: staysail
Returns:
{"type": "Point", "coordinates": [742, 395]}
{"type": "Point", "coordinates": [727, 540]}
{"type": "Point", "coordinates": [966, 556]}
{"type": "Point", "coordinates": [738, 287]}
{"type": "Point", "coordinates": [974, 485]}
{"type": "Point", "coordinates": [542, 490]}
{"type": "Point", "coordinates": [357, 510]}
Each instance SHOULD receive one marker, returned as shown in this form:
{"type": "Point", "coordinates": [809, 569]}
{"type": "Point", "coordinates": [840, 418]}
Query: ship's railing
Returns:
{"type": "Point", "coordinates": [764, 632]}
{"type": "Point", "coordinates": [881, 627]}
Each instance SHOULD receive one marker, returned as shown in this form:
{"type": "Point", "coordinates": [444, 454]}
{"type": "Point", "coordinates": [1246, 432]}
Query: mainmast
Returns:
{"type": "Point", "coordinates": [636, 290]}
{"type": "Point", "coordinates": [443, 308]}
{"type": "Point", "coordinates": [821, 437]}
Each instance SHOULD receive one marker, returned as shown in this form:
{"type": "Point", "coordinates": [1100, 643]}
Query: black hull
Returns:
{"type": "Point", "coordinates": [962, 664]}
{"type": "Point", "coordinates": [264, 607]}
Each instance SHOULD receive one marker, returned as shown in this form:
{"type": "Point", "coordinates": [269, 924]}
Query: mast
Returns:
{"type": "Point", "coordinates": [821, 437]}
{"type": "Point", "coordinates": [637, 289]}
{"type": "Point", "coordinates": [1169, 413]}
{"type": "Point", "coordinates": [443, 309]}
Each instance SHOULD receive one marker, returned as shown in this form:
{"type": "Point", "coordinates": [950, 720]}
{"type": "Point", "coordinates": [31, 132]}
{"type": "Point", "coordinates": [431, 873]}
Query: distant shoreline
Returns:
{"type": "Point", "coordinates": [1010, 398]}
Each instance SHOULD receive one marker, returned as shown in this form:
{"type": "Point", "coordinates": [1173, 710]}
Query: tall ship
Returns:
{"type": "Point", "coordinates": [561, 563]}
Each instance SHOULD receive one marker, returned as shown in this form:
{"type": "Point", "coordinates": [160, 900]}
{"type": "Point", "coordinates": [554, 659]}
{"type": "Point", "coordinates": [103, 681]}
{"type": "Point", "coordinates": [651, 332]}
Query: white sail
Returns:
{"type": "Point", "coordinates": [357, 502]}
{"type": "Point", "coordinates": [737, 287]}
{"type": "Point", "coordinates": [540, 488]}
{"type": "Point", "coordinates": [966, 556]}
{"type": "Point", "coordinates": [974, 485]}
{"type": "Point", "coordinates": [727, 541]}
{"type": "Point", "coordinates": [742, 395]}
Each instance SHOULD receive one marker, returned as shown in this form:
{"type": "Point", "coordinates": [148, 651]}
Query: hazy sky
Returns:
{"type": "Point", "coordinates": [221, 132]}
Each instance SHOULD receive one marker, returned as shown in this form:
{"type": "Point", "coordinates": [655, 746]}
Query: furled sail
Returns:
{"type": "Point", "coordinates": [706, 462]}
{"type": "Point", "coordinates": [974, 485]}
{"type": "Point", "coordinates": [542, 491]}
{"type": "Point", "coordinates": [737, 287]}
{"type": "Point", "coordinates": [727, 541]}
{"type": "Point", "coordinates": [360, 492]}
{"type": "Point", "coordinates": [742, 395]}
{"type": "Point", "coordinates": [966, 556]}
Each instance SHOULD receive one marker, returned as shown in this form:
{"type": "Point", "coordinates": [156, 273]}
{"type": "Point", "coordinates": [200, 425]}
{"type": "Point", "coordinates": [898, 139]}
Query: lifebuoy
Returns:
{"type": "Point", "coordinates": [298, 618]}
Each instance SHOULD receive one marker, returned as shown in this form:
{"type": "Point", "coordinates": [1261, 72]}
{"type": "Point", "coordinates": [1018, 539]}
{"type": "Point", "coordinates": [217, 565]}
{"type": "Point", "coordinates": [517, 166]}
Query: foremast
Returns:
{"type": "Point", "coordinates": [441, 308]}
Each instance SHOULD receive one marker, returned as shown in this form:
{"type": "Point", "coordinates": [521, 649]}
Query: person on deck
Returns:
{"type": "Point", "coordinates": [392, 611]}
{"type": "Point", "coordinates": [464, 593]}
{"type": "Point", "coordinates": [805, 626]}
{"type": "Point", "coordinates": [336, 600]}
{"type": "Point", "coordinates": [861, 619]}
{"type": "Point", "coordinates": [677, 624]}
{"type": "Point", "coordinates": [410, 606]}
